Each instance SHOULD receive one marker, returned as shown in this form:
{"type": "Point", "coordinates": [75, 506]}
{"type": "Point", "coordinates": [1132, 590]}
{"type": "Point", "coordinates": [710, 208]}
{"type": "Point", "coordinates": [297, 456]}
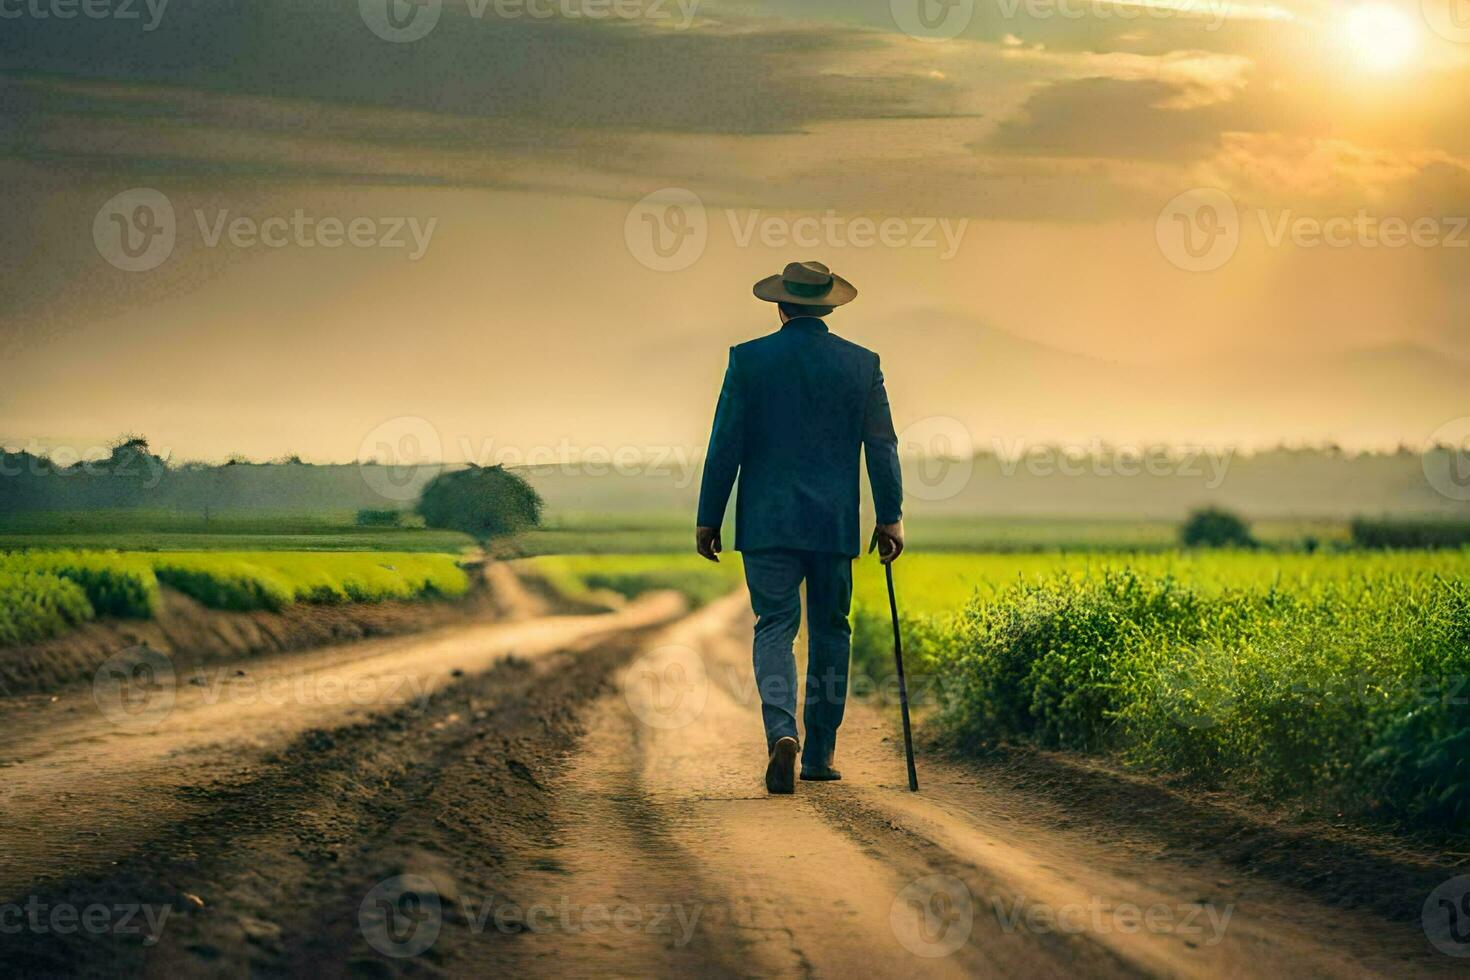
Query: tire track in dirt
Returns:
{"type": "Point", "coordinates": [82, 790]}
{"type": "Point", "coordinates": [279, 865]}
{"type": "Point", "coordinates": [599, 811]}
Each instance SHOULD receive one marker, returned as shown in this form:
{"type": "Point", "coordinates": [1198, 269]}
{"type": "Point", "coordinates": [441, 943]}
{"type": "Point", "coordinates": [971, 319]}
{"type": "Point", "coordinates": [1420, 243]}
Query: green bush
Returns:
{"type": "Point", "coordinates": [1349, 693]}
{"type": "Point", "coordinates": [379, 518]}
{"type": "Point", "coordinates": [482, 501]}
{"type": "Point", "coordinates": [116, 585]}
{"type": "Point", "coordinates": [1213, 527]}
{"type": "Point", "coordinates": [218, 588]}
{"type": "Point", "coordinates": [1405, 534]}
{"type": "Point", "coordinates": [275, 579]}
{"type": "Point", "coordinates": [38, 605]}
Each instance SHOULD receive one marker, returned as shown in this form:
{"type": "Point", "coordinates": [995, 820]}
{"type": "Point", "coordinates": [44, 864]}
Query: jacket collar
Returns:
{"type": "Point", "coordinates": [805, 323]}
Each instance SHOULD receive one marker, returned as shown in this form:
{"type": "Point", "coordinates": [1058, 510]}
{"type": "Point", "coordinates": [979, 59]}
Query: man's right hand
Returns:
{"type": "Point", "coordinates": [890, 541]}
{"type": "Point", "coordinates": [707, 542]}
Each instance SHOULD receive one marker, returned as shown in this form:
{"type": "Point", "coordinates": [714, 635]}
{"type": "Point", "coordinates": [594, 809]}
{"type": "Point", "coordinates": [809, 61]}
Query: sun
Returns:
{"type": "Point", "coordinates": [1381, 36]}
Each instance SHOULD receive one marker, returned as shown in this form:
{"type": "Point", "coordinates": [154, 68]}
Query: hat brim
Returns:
{"type": "Point", "coordinates": [772, 289]}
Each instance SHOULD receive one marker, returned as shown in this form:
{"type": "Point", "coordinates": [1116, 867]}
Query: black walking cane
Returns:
{"type": "Point", "coordinates": [903, 691]}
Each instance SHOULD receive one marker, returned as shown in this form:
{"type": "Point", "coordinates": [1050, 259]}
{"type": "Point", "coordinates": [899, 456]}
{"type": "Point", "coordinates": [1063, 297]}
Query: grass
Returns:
{"type": "Point", "coordinates": [581, 576]}
{"type": "Point", "coordinates": [37, 605]}
{"type": "Point", "coordinates": [580, 532]}
{"type": "Point", "coordinates": [658, 532]}
{"type": "Point", "coordinates": [273, 579]}
{"type": "Point", "coordinates": [1336, 681]}
{"type": "Point", "coordinates": [143, 530]}
{"type": "Point", "coordinates": [44, 592]}
{"type": "Point", "coordinates": [940, 583]}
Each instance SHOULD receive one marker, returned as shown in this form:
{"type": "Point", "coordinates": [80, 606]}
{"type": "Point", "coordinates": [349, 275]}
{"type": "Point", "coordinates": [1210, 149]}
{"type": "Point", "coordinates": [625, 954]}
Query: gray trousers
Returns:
{"type": "Point", "coordinates": [774, 578]}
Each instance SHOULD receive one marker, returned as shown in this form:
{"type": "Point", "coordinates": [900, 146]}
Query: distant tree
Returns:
{"type": "Point", "coordinates": [1214, 527]}
{"type": "Point", "coordinates": [482, 501]}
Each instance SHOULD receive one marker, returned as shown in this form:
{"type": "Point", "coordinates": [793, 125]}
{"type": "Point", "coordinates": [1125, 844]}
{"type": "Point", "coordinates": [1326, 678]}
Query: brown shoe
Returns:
{"type": "Point", "coordinates": [781, 770]}
{"type": "Point", "coordinates": [820, 774]}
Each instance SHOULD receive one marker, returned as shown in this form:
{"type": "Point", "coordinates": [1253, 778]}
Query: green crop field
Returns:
{"type": "Point", "coordinates": [45, 592]}
{"type": "Point", "coordinates": [580, 576]}
{"type": "Point", "coordinates": [940, 583]}
{"type": "Point", "coordinates": [1335, 681]}
{"type": "Point", "coordinates": [149, 530]}
{"type": "Point", "coordinates": [660, 532]}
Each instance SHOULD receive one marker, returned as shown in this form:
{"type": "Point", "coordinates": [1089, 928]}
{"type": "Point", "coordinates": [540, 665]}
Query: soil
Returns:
{"type": "Point", "coordinates": [582, 796]}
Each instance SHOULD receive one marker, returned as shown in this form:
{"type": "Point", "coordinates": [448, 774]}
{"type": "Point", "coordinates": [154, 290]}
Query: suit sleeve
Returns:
{"type": "Point", "coordinates": [880, 449]}
{"type": "Point", "coordinates": [726, 446]}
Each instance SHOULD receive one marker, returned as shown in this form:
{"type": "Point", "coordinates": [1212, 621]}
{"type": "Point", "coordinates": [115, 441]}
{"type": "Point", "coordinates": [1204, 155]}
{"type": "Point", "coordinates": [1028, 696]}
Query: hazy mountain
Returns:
{"type": "Point", "coordinates": [1009, 390]}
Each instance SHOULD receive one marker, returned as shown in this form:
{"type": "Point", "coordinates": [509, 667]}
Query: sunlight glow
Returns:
{"type": "Point", "coordinates": [1381, 36]}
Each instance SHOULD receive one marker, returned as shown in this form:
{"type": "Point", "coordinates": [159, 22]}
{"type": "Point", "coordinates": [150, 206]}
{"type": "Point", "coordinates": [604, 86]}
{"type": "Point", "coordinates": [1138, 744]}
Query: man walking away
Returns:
{"type": "Point", "coordinates": [796, 409]}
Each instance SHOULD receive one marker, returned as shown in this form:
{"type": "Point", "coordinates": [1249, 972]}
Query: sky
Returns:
{"type": "Point", "coordinates": [481, 227]}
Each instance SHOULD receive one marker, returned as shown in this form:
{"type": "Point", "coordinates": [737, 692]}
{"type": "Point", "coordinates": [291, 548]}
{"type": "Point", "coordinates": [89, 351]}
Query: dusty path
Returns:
{"type": "Point", "coordinates": [593, 807]}
{"type": "Point", "coordinates": [82, 785]}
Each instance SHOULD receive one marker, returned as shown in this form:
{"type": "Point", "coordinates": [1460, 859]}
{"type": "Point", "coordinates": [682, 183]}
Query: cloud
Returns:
{"type": "Point", "coordinates": [1109, 117]}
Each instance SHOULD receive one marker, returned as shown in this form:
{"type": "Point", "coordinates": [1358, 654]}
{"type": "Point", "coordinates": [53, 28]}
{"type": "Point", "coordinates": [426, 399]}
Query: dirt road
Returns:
{"type": "Point", "coordinates": [581, 797]}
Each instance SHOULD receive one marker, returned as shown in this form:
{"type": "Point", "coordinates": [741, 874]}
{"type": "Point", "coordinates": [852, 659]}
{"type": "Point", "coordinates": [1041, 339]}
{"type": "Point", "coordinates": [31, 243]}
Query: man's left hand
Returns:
{"type": "Point", "coordinates": [707, 542]}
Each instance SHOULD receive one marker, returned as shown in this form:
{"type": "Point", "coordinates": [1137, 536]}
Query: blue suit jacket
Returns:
{"type": "Point", "coordinates": [796, 409]}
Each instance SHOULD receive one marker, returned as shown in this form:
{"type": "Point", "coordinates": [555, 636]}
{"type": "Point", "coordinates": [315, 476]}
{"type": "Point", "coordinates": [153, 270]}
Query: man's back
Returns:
{"type": "Point", "coordinates": [797, 409]}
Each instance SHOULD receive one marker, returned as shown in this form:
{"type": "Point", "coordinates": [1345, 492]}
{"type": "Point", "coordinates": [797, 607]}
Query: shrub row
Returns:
{"type": "Point", "coordinates": [1352, 694]}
